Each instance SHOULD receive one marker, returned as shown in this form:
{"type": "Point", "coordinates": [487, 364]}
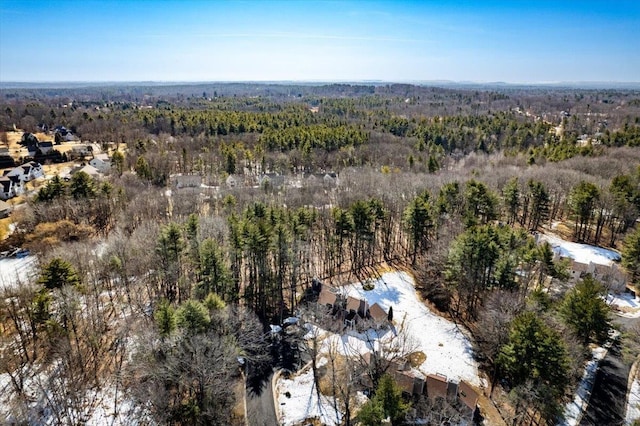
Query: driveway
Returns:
{"type": "Point", "coordinates": [260, 406]}
{"type": "Point", "coordinates": [607, 405]}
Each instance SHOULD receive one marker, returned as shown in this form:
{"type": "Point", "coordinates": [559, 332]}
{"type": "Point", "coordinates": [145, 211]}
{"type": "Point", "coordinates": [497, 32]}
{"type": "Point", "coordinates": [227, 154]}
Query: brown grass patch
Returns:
{"type": "Point", "coordinates": [4, 227]}
{"type": "Point", "coordinates": [417, 358]}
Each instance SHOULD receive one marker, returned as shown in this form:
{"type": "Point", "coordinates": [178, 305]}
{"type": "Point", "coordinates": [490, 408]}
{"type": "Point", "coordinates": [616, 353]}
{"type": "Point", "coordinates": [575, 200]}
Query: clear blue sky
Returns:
{"type": "Point", "coordinates": [511, 41]}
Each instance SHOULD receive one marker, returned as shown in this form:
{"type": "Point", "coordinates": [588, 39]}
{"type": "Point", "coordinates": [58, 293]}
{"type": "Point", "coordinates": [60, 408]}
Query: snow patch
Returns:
{"type": "Point", "coordinates": [448, 350]}
{"type": "Point", "coordinates": [16, 271]}
{"type": "Point", "coordinates": [625, 304]}
{"type": "Point", "coordinates": [298, 401]}
{"type": "Point", "coordinates": [633, 404]}
{"type": "Point", "coordinates": [583, 253]}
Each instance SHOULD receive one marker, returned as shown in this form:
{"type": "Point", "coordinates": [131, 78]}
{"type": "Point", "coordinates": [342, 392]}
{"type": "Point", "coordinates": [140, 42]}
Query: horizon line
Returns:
{"type": "Point", "coordinates": [330, 81]}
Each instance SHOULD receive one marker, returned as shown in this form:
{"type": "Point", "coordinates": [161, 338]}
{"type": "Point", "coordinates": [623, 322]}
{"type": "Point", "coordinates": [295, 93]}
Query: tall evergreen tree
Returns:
{"type": "Point", "coordinates": [582, 201]}
{"type": "Point", "coordinates": [585, 310]}
{"type": "Point", "coordinates": [631, 254]}
{"type": "Point", "coordinates": [511, 200]}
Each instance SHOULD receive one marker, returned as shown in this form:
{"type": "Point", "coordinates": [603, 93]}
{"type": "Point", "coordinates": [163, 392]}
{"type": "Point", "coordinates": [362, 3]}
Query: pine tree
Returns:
{"type": "Point", "coordinates": [585, 310]}
{"type": "Point", "coordinates": [58, 273]}
{"type": "Point", "coordinates": [631, 254]}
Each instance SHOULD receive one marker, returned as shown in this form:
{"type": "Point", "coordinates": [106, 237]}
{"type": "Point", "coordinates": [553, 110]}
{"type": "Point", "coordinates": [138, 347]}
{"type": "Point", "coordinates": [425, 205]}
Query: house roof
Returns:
{"type": "Point", "coordinates": [6, 183]}
{"type": "Point", "coordinates": [88, 169]}
{"type": "Point", "coordinates": [405, 380]}
{"type": "Point", "coordinates": [467, 395]}
{"type": "Point", "coordinates": [4, 206]}
{"type": "Point", "coordinates": [327, 298]}
{"type": "Point", "coordinates": [437, 386]}
{"type": "Point", "coordinates": [377, 313]}
{"type": "Point", "coordinates": [102, 157]}
{"type": "Point", "coordinates": [357, 305]}
{"type": "Point", "coordinates": [579, 266]}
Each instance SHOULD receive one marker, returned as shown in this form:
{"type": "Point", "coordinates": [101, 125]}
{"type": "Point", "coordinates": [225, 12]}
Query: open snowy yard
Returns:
{"type": "Point", "coordinates": [15, 270]}
{"type": "Point", "coordinates": [448, 350]}
{"type": "Point", "coordinates": [583, 253]}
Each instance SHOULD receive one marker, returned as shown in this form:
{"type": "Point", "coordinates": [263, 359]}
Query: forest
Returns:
{"type": "Point", "coordinates": [145, 293]}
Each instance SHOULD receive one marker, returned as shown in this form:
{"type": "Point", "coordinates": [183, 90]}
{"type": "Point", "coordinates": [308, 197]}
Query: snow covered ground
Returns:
{"type": "Point", "coordinates": [447, 349]}
{"type": "Point", "coordinates": [14, 271]}
{"type": "Point", "coordinates": [633, 404]}
{"type": "Point", "coordinates": [583, 253]}
{"type": "Point", "coordinates": [625, 304]}
{"type": "Point", "coordinates": [574, 409]}
{"type": "Point", "coordinates": [298, 401]}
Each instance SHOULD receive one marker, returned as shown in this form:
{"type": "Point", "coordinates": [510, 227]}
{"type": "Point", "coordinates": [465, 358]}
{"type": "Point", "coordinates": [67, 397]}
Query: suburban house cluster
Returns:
{"type": "Point", "coordinates": [433, 386]}
{"type": "Point", "coordinates": [611, 276]}
{"type": "Point", "coordinates": [13, 180]}
{"type": "Point", "coordinates": [264, 180]}
{"type": "Point", "coordinates": [351, 310]}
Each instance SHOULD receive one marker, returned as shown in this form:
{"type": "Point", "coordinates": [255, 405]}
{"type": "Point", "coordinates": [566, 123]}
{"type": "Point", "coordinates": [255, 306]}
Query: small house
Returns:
{"type": "Point", "coordinates": [101, 162]}
{"type": "Point", "coordinates": [467, 395]}
{"type": "Point", "coordinates": [378, 315]}
{"type": "Point", "coordinates": [5, 209]}
{"type": "Point", "coordinates": [186, 181]}
{"type": "Point", "coordinates": [88, 169]}
{"type": "Point", "coordinates": [235, 181]}
{"type": "Point", "coordinates": [272, 180]}
{"type": "Point", "coordinates": [437, 386]}
{"type": "Point", "coordinates": [7, 189]}
{"type": "Point", "coordinates": [45, 147]}
{"type": "Point", "coordinates": [18, 184]}
{"type": "Point", "coordinates": [327, 298]}
{"type": "Point", "coordinates": [357, 306]}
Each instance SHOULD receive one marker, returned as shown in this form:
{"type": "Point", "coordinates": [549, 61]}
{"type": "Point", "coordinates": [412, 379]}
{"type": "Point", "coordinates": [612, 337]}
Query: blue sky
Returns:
{"type": "Point", "coordinates": [510, 41]}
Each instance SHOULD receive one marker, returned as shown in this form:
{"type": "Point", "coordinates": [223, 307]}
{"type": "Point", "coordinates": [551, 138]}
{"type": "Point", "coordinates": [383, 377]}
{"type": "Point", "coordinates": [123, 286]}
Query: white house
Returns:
{"type": "Point", "coordinates": [186, 180]}
{"type": "Point", "coordinates": [26, 172]}
{"type": "Point", "coordinates": [7, 189]}
{"type": "Point", "coordinates": [101, 162]}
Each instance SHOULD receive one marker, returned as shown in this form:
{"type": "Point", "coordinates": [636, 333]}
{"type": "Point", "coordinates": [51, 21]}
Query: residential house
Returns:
{"type": "Point", "coordinates": [27, 172]}
{"type": "Point", "coordinates": [45, 147]}
{"type": "Point", "coordinates": [101, 162]}
{"type": "Point", "coordinates": [186, 180]}
{"type": "Point", "coordinates": [401, 372]}
{"type": "Point", "coordinates": [18, 184]}
{"type": "Point", "coordinates": [612, 276]}
{"type": "Point", "coordinates": [82, 150]}
{"type": "Point", "coordinates": [437, 386]}
{"type": "Point", "coordinates": [410, 384]}
{"type": "Point", "coordinates": [327, 298]}
{"type": "Point", "coordinates": [468, 395]}
{"type": "Point", "coordinates": [88, 169]}
{"type": "Point", "coordinates": [272, 180]}
{"type": "Point", "coordinates": [378, 315]}
{"type": "Point", "coordinates": [328, 180]}
{"type": "Point", "coordinates": [5, 209]}
{"type": "Point", "coordinates": [33, 170]}
{"type": "Point", "coordinates": [63, 134]}
{"type": "Point", "coordinates": [7, 189]}
{"type": "Point", "coordinates": [235, 181]}
{"type": "Point", "coordinates": [358, 306]}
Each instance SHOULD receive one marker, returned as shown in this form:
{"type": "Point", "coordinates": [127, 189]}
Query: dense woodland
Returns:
{"type": "Point", "coordinates": [154, 290]}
